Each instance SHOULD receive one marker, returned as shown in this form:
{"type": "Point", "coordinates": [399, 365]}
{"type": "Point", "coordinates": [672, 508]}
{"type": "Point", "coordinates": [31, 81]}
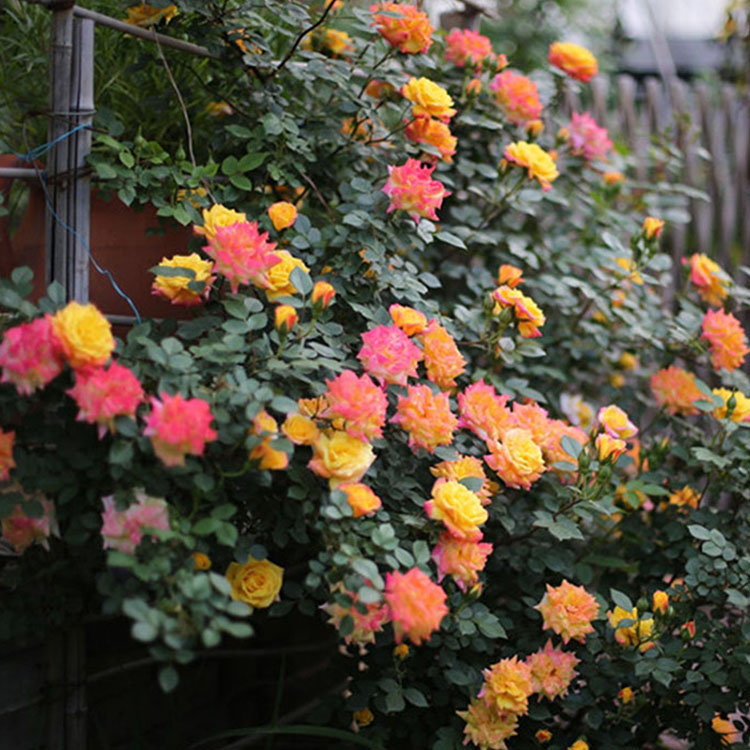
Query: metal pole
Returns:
{"type": "Point", "coordinates": [57, 240]}
{"type": "Point", "coordinates": [82, 104]}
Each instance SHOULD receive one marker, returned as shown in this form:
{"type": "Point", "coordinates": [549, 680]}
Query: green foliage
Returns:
{"type": "Point", "coordinates": [610, 524]}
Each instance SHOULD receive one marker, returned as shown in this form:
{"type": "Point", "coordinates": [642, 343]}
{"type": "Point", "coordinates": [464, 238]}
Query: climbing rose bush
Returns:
{"type": "Point", "coordinates": [429, 387]}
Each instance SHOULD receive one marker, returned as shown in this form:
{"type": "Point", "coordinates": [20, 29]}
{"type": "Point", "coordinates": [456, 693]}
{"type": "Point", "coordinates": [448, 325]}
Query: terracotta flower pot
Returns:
{"type": "Point", "coordinates": [119, 243]}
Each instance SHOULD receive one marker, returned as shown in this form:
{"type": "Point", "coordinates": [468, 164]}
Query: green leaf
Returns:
{"type": "Point", "coordinates": [415, 697]}
{"type": "Point", "coordinates": [251, 161]}
{"type": "Point", "coordinates": [168, 678]}
{"type": "Point", "coordinates": [143, 631]}
{"type": "Point", "coordinates": [394, 702]}
{"type": "Point", "coordinates": [301, 280]}
{"type": "Point", "coordinates": [121, 453]}
{"type": "Point", "coordinates": [450, 239]}
{"type": "Point", "coordinates": [621, 600]}
{"type": "Point", "coordinates": [241, 182]}
{"type": "Point", "coordinates": [172, 271]}
{"type": "Point", "coordinates": [206, 526]}
{"type": "Point", "coordinates": [699, 532]}
{"type": "Point", "coordinates": [570, 446]}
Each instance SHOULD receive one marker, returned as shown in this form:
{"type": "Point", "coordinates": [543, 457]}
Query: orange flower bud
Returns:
{"type": "Point", "coordinates": [322, 294]}
{"type": "Point", "coordinates": [474, 86]}
{"type": "Point", "coordinates": [613, 178]}
{"type": "Point", "coordinates": [625, 695]}
{"type": "Point", "coordinates": [660, 602]}
{"type": "Point", "coordinates": [285, 318]}
{"type": "Point", "coordinates": [201, 561]}
{"type": "Point", "coordinates": [543, 736]}
{"type": "Point", "coordinates": [652, 227]}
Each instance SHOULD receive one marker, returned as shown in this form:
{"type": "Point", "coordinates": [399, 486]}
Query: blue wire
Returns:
{"type": "Point", "coordinates": [40, 151]}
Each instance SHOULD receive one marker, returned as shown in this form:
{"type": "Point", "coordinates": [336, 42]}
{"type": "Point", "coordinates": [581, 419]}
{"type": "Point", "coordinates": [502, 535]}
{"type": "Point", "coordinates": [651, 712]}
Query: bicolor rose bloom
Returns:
{"type": "Point", "coordinates": [176, 289]}
{"type": "Point", "coordinates": [85, 335]}
{"type": "Point", "coordinates": [535, 160]}
{"type": "Point", "coordinates": [486, 727]}
{"type": "Point", "coordinates": [517, 96]}
{"type": "Point", "coordinates": [576, 410]}
{"type": "Point", "coordinates": [278, 284]}
{"type": "Point", "coordinates": [405, 26]}
{"type": "Point", "coordinates": [568, 610]}
{"type": "Point", "coordinates": [675, 389]}
{"type": "Point", "coordinates": [535, 419]}
{"type": "Point", "coordinates": [218, 216]}
{"type": "Point", "coordinates": [362, 500]}
{"type": "Point", "coordinates": [103, 394]}
{"type": "Point", "coordinates": [241, 254]}
{"type": "Point", "coordinates": [638, 634]}
{"type": "Point", "coordinates": [464, 45]}
{"type": "Point", "coordinates": [459, 509]}
{"type": "Point", "coordinates": [529, 316]}
{"type": "Point", "coordinates": [389, 355]}
{"type": "Point", "coordinates": [429, 99]}
{"type": "Point", "coordinates": [409, 320]}
{"type": "Point", "coordinates": [282, 214]}
{"type": "Point", "coordinates": [442, 358]}
{"type": "Point", "coordinates": [21, 531]}
{"type": "Point", "coordinates": [461, 559]}
{"type": "Point", "coordinates": [123, 530]}
{"type": "Point", "coordinates": [178, 426]}
{"type": "Point", "coordinates": [264, 453]}
{"type": "Point", "coordinates": [463, 468]}
{"type": "Point", "coordinates": [708, 278]}
{"type": "Point", "coordinates": [433, 133]}
{"type": "Point", "coordinates": [7, 441]}
{"type": "Point", "coordinates": [740, 410]}
{"type": "Point", "coordinates": [417, 605]}
{"type": "Point", "coordinates": [284, 319]}
{"type": "Point", "coordinates": [574, 60]}
{"type": "Point", "coordinates": [517, 459]}
{"type": "Point", "coordinates": [340, 457]}
{"type": "Point", "coordinates": [426, 416]}
{"type": "Point", "coordinates": [256, 582]}
{"type": "Point", "coordinates": [484, 412]}
{"type": "Point", "coordinates": [552, 671]}
{"type": "Point", "coordinates": [615, 422]}
{"type": "Point", "coordinates": [359, 402]}
{"type": "Point", "coordinates": [412, 189]}
{"type": "Point", "coordinates": [507, 686]}
{"type": "Point", "coordinates": [726, 339]}
{"type": "Point", "coordinates": [587, 138]}
{"type": "Point", "coordinates": [30, 355]}
{"type": "Point", "coordinates": [366, 624]}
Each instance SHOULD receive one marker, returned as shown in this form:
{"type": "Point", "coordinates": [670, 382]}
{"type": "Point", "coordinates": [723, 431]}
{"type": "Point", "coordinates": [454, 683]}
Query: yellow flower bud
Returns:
{"type": "Point", "coordinates": [285, 318]}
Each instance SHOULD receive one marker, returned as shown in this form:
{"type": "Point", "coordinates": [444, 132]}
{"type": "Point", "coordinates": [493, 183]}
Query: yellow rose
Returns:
{"type": "Point", "coordinates": [660, 601]}
{"type": "Point", "coordinates": [340, 457]}
{"type": "Point", "coordinates": [458, 508]}
{"type": "Point", "coordinates": [256, 583]}
{"type": "Point", "coordinates": [175, 288]}
{"type": "Point", "coordinates": [218, 216]}
{"type": "Point", "coordinates": [282, 215]}
{"type": "Point", "coordinates": [337, 42]}
{"type": "Point", "coordinates": [278, 276]}
{"type": "Point", "coordinates": [538, 163]}
{"type": "Point", "coordinates": [627, 361]}
{"type": "Point", "coordinates": [741, 411]}
{"type": "Point", "coordinates": [84, 333]}
{"type": "Point", "coordinates": [144, 15]}
{"type": "Point", "coordinates": [301, 430]}
{"type": "Point", "coordinates": [637, 634]}
{"type": "Point", "coordinates": [430, 100]}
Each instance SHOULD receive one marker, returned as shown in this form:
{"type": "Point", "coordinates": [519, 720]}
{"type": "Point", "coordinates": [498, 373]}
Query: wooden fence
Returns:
{"type": "Point", "coordinates": [710, 125]}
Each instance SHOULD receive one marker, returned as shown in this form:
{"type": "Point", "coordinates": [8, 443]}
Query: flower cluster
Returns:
{"type": "Point", "coordinates": [404, 27]}
{"type": "Point", "coordinates": [122, 530]}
